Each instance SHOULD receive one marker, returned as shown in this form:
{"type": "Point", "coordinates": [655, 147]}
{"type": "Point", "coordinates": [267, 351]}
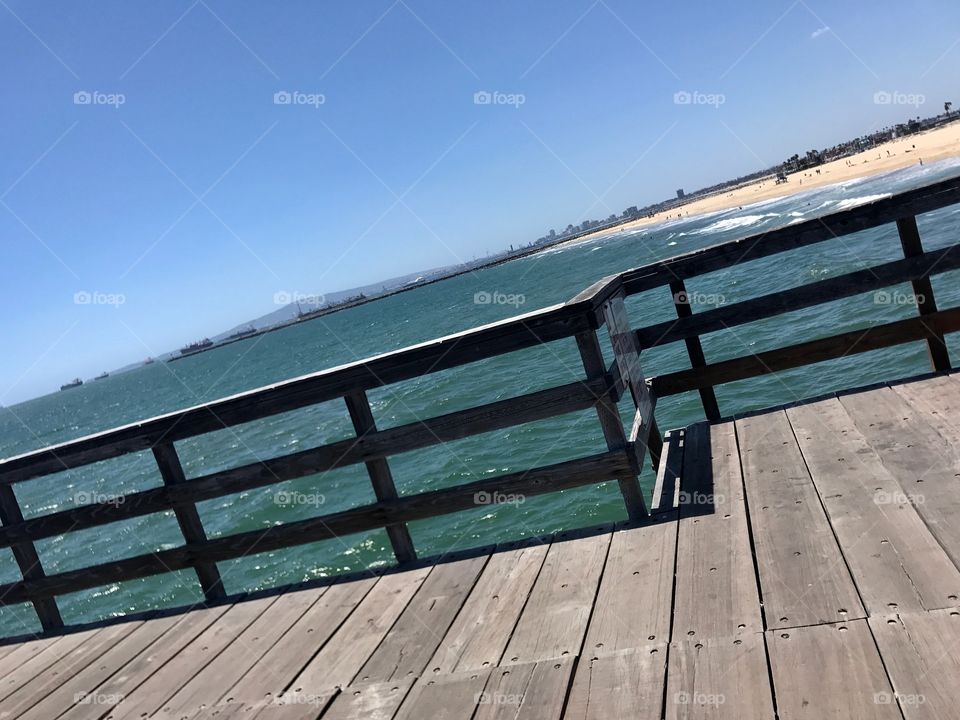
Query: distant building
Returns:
{"type": "Point", "coordinates": [680, 194]}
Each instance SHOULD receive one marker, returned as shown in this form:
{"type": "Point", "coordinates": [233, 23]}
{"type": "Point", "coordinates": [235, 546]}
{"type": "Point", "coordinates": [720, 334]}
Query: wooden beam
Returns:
{"type": "Point", "coordinates": [188, 519]}
{"type": "Point", "coordinates": [407, 508]}
{"type": "Point", "coordinates": [807, 353]}
{"type": "Point", "coordinates": [681, 302]}
{"type": "Point", "coordinates": [923, 292]}
{"type": "Point", "coordinates": [380, 476]}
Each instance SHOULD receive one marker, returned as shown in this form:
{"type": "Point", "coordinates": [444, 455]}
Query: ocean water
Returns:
{"type": "Point", "coordinates": [537, 281]}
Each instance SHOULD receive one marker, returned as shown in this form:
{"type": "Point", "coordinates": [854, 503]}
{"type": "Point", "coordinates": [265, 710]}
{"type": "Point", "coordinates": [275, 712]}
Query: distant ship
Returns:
{"type": "Point", "coordinates": [148, 361]}
{"type": "Point", "coordinates": [102, 376]}
{"type": "Point", "coordinates": [251, 330]}
{"type": "Point", "coordinates": [76, 382]}
{"type": "Point", "coordinates": [196, 347]}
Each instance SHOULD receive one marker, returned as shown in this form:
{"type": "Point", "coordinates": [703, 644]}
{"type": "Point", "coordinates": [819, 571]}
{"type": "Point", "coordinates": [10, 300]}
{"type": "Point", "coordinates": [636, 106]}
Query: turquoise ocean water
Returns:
{"type": "Point", "coordinates": [449, 306]}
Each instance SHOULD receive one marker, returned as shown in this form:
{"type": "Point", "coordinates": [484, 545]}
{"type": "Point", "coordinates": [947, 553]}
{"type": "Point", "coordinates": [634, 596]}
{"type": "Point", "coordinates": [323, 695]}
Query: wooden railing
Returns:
{"type": "Point", "coordinates": [601, 388]}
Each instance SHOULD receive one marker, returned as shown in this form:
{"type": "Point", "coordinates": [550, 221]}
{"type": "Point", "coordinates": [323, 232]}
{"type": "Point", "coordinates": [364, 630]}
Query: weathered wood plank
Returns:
{"type": "Point", "coordinates": [921, 652]}
{"type": "Point", "coordinates": [446, 697]}
{"type": "Point", "coordinates": [937, 401]}
{"type": "Point", "coordinates": [719, 678]}
{"type": "Point", "coordinates": [925, 463]}
{"type": "Point", "coordinates": [895, 561]}
{"type": "Point", "coordinates": [22, 653]}
{"type": "Point", "coordinates": [799, 298]}
{"type": "Point", "coordinates": [830, 672]}
{"type": "Point", "coordinates": [414, 638]}
{"type": "Point", "coordinates": [133, 674]}
{"type": "Point", "coordinates": [666, 491]}
{"type": "Point", "coordinates": [404, 438]}
{"type": "Point", "coordinates": [340, 659]}
{"type": "Point", "coordinates": [554, 621]}
{"type": "Point", "coordinates": [212, 682]}
{"type": "Point", "coordinates": [625, 684]}
{"type": "Point", "coordinates": [803, 576]}
{"type": "Point", "coordinates": [535, 691]}
{"type": "Point", "coordinates": [923, 291]}
{"type": "Point", "coordinates": [272, 673]}
{"type": "Point", "coordinates": [480, 633]}
{"type": "Point", "coordinates": [716, 588]}
{"type": "Point", "coordinates": [370, 701]}
{"type": "Point", "coordinates": [167, 680]}
{"type": "Point", "coordinates": [551, 478]}
{"type": "Point", "coordinates": [807, 353]}
{"type": "Point", "coordinates": [19, 675]}
{"type": "Point", "coordinates": [681, 302]}
{"type": "Point", "coordinates": [633, 604]}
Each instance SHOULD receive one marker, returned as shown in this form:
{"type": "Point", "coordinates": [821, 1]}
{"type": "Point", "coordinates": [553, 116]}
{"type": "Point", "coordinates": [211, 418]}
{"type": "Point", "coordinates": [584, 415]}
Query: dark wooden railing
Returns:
{"type": "Point", "coordinates": [601, 388]}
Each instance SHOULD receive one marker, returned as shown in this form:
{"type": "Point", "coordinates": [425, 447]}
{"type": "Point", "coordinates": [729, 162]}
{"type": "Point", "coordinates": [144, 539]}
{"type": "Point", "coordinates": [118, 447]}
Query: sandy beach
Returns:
{"type": "Point", "coordinates": [929, 147]}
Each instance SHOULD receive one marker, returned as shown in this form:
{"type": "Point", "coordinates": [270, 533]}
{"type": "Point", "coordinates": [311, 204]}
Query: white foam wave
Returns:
{"type": "Point", "coordinates": [853, 202]}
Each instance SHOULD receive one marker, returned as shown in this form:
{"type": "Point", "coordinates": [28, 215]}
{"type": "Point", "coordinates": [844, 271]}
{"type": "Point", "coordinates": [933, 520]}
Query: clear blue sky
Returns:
{"type": "Point", "coordinates": [198, 198]}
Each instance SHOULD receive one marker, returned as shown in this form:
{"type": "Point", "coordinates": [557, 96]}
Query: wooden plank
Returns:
{"type": "Point", "coordinates": [18, 676]}
{"type": "Point", "coordinates": [923, 291]}
{"type": "Point", "coordinates": [369, 701]}
{"type": "Point", "coordinates": [921, 652]}
{"type": "Point", "coordinates": [133, 674]}
{"type": "Point", "coordinates": [165, 682]}
{"type": "Point", "coordinates": [188, 519]}
{"type": "Point", "coordinates": [633, 604]}
{"type": "Point", "coordinates": [272, 673]}
{"type": "Point", "coordinates": [803, 576]}
{"type": "Point", "coordinates": [716, 588]}
{"type": "Point", "coordinates": [24, 652]}
{"type": "Point", "coordinates": [414, 638]}
{"type": "Point", "coordinates": [446, 697]}
{"type": "Point", "coordinates": [27, 559]}
{"type": "Point", "coordinates": [531, 407]}
{"type": "Point", "coordinates": [380, 476]}
{"type": "Point", "coordinates": [554, 621]}
{"type": "Point", "coordinates": [666, 491]}
{"type": "Point", "coordinates": [829, 672]}
{"type": "Point", "coordinates": [925, 463]}
{"type": "Point", "coordinates": [340, 659]}
{"type": "Point", "coordinates": [894, 559]}
{"type": "Point", "coordinates": [625, 684]}
{"type": "Point", "coordinates": [535, 691]}
{"type": "Point", "coordinates": [791, 237]}
{"type": "Point", "coordinates": [681, 302]}
{"type": "Point", "coordinates": [479, 635]}
{"type": "Point", "coordinates": [719, 678]}
{"type": "Point", "coordinates": [79, 687]}
{"type": "Point", "coordinates": [609, 416]}
{"type": "Point", "coordinates": [13, 704]}
{"type": "Point", "coordinates": [478, 343]}
{"type": "Point", "coordinates": [808, 353]}
{"type": "Point", "coordinates": [212, 682]}
{"type": "Point", "coordinates": [937, 401]}
{"type": "Point", "coordinates": [538, 481]}
{"type": "Point", "coordinates": [802, 297]}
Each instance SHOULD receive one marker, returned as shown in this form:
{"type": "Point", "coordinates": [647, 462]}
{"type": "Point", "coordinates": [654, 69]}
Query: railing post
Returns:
{"type": "Point", "coordinates": [923, 292]}
{"type": "Point", "coordinates": [25, 553]}
{"type": "Point", "coordinates": [188, 518]}
{"type": "Point", "coordinates": [380, 476]}
{"type": "Point", "coordinates": [681, 301]}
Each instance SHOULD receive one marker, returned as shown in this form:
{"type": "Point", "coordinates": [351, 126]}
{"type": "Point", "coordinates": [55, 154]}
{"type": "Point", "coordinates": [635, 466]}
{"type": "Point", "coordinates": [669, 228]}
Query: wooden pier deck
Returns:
{"type": "Point", "coordinates": [801, 562]}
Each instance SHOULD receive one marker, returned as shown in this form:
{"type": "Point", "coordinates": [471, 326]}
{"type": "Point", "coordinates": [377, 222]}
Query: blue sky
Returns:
{"type": "Point", "coordinates": [198, 197]}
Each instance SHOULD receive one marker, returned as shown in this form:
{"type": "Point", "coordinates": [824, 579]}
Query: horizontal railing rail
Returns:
{"type": "Point", "coordinates": [600, 389]}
